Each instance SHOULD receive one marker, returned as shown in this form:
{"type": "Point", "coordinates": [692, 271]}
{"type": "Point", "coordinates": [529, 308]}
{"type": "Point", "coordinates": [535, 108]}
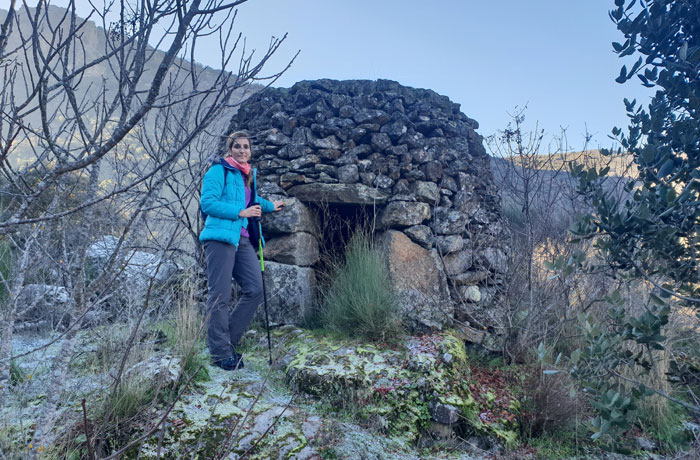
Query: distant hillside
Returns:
{"type": "Point", "coordinates": [620, 165]}
{"type": "Point", "coordinates": [98, 80]}
{"type": "Point", "coordinates": [552, 188]}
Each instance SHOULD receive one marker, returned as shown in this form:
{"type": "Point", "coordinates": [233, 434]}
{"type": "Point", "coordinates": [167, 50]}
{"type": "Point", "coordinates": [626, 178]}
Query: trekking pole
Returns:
{"type": "Point", "coordinates": [262, 270]}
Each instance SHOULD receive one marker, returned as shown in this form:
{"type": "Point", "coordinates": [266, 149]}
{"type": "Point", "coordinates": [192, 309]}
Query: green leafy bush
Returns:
{"type": "Point", "coordinates": [359, 300]}
{"type": "Point", "coordinates": [650, 233]}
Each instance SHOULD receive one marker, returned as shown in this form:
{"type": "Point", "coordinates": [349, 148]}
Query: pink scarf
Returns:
{"type": "Point", "coordinates": [244, 168]}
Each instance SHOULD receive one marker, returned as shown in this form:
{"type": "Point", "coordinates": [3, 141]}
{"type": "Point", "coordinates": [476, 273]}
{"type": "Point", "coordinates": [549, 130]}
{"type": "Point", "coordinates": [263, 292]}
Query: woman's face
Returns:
{"type": "Point", "coordinates": [240, 150]}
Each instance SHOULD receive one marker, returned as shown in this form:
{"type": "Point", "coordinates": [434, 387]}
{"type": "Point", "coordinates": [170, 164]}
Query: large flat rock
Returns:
{"type": "Point", "coordinates": [358, 194]}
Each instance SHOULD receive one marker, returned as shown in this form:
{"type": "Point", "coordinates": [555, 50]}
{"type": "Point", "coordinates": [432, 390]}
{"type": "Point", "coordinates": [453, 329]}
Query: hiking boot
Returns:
{"type": "Point", "coordinates": [230, 364]}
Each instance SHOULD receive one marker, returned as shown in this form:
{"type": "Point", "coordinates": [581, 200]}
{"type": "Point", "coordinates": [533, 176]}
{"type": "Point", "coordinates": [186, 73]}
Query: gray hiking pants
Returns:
{"type": "Point", "coordinates": [225, 327]}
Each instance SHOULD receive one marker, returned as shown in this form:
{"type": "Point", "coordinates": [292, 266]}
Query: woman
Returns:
{"type": "Point", "coordinates": [229, 199]}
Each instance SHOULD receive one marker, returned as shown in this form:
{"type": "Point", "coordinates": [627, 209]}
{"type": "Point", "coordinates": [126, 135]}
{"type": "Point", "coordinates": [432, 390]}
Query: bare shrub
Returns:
{"type": "Point", "coordinates": [548, 404]}
{"type": "Point", "coordinates": [539, 202]}
{"type": "Point", "coordinates": [102, 134]}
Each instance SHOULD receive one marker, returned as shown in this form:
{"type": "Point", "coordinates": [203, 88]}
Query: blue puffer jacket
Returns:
{"type": "Point", "coordinates": [222, 205]}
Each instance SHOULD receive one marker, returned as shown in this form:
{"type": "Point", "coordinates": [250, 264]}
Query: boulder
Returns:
{"type": "Point", "coordinates": [295, 217]}
{"type": "Point", "coordinates": [139, 266]}
{"type": "Point", "coordinates": [159, 370]}
{"type": "Point", "coordinates": [290, 290]}
{"type": "Point", "coordinates": [419, 280]}
{"type": "Point", "coordinates": [296, 249]}
{"type": "Point", "coordinates": [39, 303]}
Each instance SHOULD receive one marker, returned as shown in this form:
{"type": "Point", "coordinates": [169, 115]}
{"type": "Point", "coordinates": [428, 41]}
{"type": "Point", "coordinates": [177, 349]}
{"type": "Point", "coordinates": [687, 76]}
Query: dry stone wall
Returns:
{"type": "Point", "coordinates": [408, 155]}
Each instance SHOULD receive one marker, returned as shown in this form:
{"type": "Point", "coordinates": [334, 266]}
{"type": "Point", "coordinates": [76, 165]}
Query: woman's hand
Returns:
{"type": "Point", "coordinates": [253, 211]}
{"type": "Point", "coordinates": [278, 205]}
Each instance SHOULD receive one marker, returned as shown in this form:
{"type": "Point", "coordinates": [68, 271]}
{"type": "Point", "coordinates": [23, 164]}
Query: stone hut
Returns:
{"type": "Point", "coordinates": [406, 163]}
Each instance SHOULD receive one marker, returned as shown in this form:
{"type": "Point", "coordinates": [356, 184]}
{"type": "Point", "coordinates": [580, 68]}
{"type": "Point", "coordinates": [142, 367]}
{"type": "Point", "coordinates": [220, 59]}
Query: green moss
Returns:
{"type": "Point", "coordinates": [455, 347]}
{"type": "Point", "coordinates": [401, 383]}
{"type": "Point", "coordinates": [388, 389]}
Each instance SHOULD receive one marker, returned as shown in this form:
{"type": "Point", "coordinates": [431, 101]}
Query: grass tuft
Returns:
{"type": "Point", "coordinates": [359, 300]}
{"type": "Point", "coordinates": [17, 375]}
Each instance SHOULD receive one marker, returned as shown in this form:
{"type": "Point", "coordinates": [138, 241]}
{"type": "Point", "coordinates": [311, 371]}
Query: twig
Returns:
{"type": "Point", "coordinates": [262, 436]}
{"type": "Point", "coordinates": [690, 407]}
{"type": "Point", "coordinates": [91, 454]}
{"type": "Point", "coordinates": [658, 286]}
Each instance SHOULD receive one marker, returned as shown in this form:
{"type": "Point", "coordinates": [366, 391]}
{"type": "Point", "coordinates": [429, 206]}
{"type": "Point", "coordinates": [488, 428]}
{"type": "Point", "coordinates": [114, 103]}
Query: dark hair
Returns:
{"type": "Point", "coordinates": [229, 143]}
{"type": "Point", "coordinates": [236, 135]}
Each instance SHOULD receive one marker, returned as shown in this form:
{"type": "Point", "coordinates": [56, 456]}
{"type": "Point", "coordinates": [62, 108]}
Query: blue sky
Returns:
{"type": "Point", "coordinates": [555, 56]}
{"type": "Point", "coordinates": [489, 56]}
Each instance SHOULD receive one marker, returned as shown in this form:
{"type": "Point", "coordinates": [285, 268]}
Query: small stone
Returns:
{"type": "Point", "coordinates": [470, 293]}
{"type": "Point", "coordinates": [401, 187]}
{"type": "Point", "coordinates": [380, 142]}
{"type": "Point", "coordinates": [458, 262]}
{"type": "Point", "coordinates": [383, 182]}
{"type": "Point", "coordinates": [444, 413]}
{"type": "Point", "coordinates": [330, 142]}
{"type": "Point", "coordinates": [364, 165]}
{"type": "Point", "coordinates": [447, 244]}
{"type": "Point", "coordinates": [289, 179]}
{"type": "Point", "coordinates": [395, 130]}
{"type": "Point", "coordinates": [428, 192]}
{"type": "Point", "coordinates": [367, 178]}
{"type": "Point", "coordinates": [365, 116]}
{"type": "Point", "coordinates": [432, 170]}
{"type": "Point", "coordinates": [645, 443]}
{"type": "Point", "coordinates": [347, 111]}
{"type": "Point", "coordinates": [403, 213]}
{"type": "Point", "coordinates": [421, 234]}
{"type": "Point", "coordinates": [304, 161]}
{"type": "Point", "coordinates": [360, 151]}
{"type": "Point", "coordinates": [494, 259]}
{"type": "Point", "coordinates": [348, 174]}
{"type": "Point", "coordinates": [470, 277]}
{"type": "Point", "coordinates": [448, 221]}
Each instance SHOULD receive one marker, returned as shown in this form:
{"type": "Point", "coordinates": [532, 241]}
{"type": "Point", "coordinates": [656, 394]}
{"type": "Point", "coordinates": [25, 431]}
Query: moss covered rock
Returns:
{"type": "Point", "coordinates": [406, 389]}
{"type": "Point", "coordinates": [228, 418]}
